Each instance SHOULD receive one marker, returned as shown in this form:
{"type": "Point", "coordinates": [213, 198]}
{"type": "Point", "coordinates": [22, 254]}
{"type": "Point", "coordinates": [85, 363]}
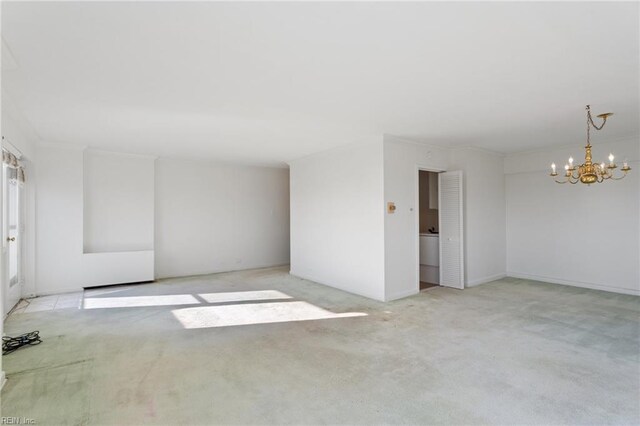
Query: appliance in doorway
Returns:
{"type": "Point", "coordinates": [429, 260]}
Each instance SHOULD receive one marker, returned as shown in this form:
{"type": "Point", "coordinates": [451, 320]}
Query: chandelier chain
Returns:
{"type": "Point", "coordinates": [589, 125]}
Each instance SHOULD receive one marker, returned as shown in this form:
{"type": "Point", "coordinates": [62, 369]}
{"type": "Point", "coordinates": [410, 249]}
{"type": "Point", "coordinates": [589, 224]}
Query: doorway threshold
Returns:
{"type": "Point", "coordinates": [425, 286]}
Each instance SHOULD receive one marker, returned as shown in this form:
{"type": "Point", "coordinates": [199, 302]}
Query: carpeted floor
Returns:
{"type": "Point", "coordinates": [280, 350]}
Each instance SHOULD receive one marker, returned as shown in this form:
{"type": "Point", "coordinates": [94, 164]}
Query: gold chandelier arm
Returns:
{"type": "Point", "coordinates": [569, 179]}
{"type": "Point", "coordinates": [602, 174]}
{"type": "Point", "coordinates": [566, 178]}
{"type": "Point", "coordinates": [573, 177]}
{"type": "Point", "coordinates": [618, 178]}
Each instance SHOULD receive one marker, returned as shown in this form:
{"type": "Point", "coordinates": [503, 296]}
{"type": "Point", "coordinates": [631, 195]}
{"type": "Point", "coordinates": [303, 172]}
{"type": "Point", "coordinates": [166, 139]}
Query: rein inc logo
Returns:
{"type": "Point", "coordinates": [17, 421]}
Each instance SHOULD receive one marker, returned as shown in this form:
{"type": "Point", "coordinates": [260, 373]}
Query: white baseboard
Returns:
{"type": "Point", "coordinates": [51, 293]}
{"type": "Point", "coordinates": [485, 280]}
{"type": "Point", "coordinates": [317, 281]}
{"type": "Point", "coordinates": [635, 292]}
{"type": "Point", "coordinates": [222, 271]}
{"type": "Point", "coordinates": [402, 294]}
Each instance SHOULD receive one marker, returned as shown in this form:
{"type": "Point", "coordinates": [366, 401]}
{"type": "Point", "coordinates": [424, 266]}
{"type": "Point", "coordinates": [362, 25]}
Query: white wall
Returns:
{"type": "Point", "coordinates": [113, 183]}
{"type": "Point", "coordinates": [18, 132]}
{"type": "Point", "coordinates": [61, 264]}
{"type": "Point", "coordinates": [203, 217]}
{"type": "Point", "coordinates": [59, 220]}
{"type": "Point", "coordinates": [216, 217]}
{"type": "Point", "coordinates": [580, 235]}
{"type": "Point", "coordinates": [337, 218]}
{"type": "Point", "coordinates": [401, 162]}
{"type": "Point", "coordinates": [484, 214]}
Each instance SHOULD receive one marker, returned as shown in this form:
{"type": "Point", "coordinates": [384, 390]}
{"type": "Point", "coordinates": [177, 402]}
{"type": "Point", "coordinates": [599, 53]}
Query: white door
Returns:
{"type": "Point", "coordinates": [12, 233]}
{"type": "Point", "coordinates": [451, 229]}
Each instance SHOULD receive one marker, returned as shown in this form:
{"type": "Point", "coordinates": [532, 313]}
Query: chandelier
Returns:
{"type": "Point", "coordinates": [589, 172]}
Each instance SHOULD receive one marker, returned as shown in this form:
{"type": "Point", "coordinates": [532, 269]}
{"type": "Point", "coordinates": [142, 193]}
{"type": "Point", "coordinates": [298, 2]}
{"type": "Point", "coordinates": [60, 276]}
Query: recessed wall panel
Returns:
{"type": "Point", "coordinates": [118, 202]}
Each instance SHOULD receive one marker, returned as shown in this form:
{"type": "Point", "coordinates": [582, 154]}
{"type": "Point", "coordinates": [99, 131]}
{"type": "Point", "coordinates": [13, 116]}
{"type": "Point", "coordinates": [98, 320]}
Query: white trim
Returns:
{"type": "Point", "coordinates": [635, 292]}
{"type": "Point", "coordinates": [383, 221]}
{"type": "Point", "coordinates": [416, 202]}
{"type": "Point", "coordinates": [50, 293]}
{"type": "Point", "coordinates": [399, 139]}
{"type": "Point", "coordinates": [11, 148]}
{"type": "Point", "coordinates": [222, 271]}
{"type": "Point", "coordinates": [23, 124]}
{"type": "Point", "coordinates": [507, 154]}
{"type": "Point", "coordinates": [480, 149]}
{"type": "Point", "coordinates": [401, 295]}
{"type": "Point", "coordinates": [316, 281]}
{"type": "Point", "coordinates": [223, 163]}
{"type": "Point", "coordinates": [9, 62]}
{"type": "Point", "coordinates": [451, 147]}
{"type": "Point", "coordinates": [61, 145]}
{"type": "Point", "coordinates": [485, 280]}
{"type": "Point", "coordinates": [120, 153]}
{"type": "Point", "coordinates": [546, 148]}
{"type": "Point", "coordinates": [545, 170]}
{"type": "Point", "coordinates": [85, 147]}
{"type": "Point", "coordinates": [365, 141]}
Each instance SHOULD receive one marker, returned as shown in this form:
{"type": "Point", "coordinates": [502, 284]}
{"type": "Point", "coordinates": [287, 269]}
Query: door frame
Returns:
{"type": "Point", "coordinates": [416, 230]}
{"type": "Point", "coordinates": [20, 246]}
{"type": "Point", "coordinates": [12, 289]}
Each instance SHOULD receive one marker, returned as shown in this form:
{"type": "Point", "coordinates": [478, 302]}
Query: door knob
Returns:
{"type": "Point", "coordinates": [11, 238]}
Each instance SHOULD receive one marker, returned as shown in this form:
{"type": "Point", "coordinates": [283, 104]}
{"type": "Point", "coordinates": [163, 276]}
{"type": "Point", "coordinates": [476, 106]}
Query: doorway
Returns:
{"type": "Point", "coordinates": [12, 232]}
{"type": "Point", "coordinates": [439, 229]}
{"type": "Point", "coordinates": [428, 230]}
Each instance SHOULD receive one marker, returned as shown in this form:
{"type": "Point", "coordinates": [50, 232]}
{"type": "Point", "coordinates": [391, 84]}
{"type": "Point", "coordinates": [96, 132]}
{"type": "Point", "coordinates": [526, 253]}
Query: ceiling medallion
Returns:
{"type": "Point", "coordinates": [589, 172]}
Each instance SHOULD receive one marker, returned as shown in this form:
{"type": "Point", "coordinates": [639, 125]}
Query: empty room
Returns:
{"type": "Point", "coordinates": [320, 213]}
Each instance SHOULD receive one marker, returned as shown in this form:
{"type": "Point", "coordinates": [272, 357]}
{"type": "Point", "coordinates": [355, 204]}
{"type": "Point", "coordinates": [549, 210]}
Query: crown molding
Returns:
{"type": "Point", "coordinates": [84, 147]}
{"type": "Point", "coordinates": [508, 154]}
{"type": "Point", "coordinates": [121, 153]}
{"type": "Point", "coordinates": [10, 109]}
{"type": "Point", "coordinates": [480, 149]}
{"type": "Point", "coordinates": [61, 145]}
{"type": "Point", "coordinates": [342, 147]}
{"type": "Point", "coordinates": [229, 163]}
{"type": "Point", "coordinates": [9, 62]}
{"type": "Point", "coordinates": [446, 147]}
{"type": "Point", "coordinates": [6, 144]}
{"type": "Point", "coordinates": [572, 145]}
{"type": "Point", "coordinates": [414, 142]}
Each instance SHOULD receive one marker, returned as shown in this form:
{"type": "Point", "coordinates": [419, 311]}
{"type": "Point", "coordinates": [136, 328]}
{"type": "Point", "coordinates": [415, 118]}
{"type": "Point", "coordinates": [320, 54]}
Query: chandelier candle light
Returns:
{"type": "Point", "coordinates": [589, 172]}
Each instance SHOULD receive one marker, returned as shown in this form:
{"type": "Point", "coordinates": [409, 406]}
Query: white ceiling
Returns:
{"type": "Point", "coordinates": [269, 82]}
